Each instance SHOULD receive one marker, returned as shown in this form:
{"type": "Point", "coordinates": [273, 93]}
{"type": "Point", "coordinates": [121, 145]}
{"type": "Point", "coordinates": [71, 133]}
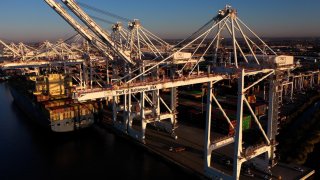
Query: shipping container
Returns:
{"type": "Point", "coordinates": [252, 99]}
{"type": "Point", "coordinates": [59, 113]}
{"type": "Point", "coordinates": [221, 124]}
{"type": "Point", "coordinates": [191, 94]}
{"type": "Point", "coordinates": [259, 107]}
{"type": "Point", "coordinates": [41, 98]}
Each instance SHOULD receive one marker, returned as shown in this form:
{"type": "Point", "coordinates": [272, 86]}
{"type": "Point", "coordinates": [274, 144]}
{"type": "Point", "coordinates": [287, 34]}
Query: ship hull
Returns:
{"type": "Point", "coordinates": [34, 111]}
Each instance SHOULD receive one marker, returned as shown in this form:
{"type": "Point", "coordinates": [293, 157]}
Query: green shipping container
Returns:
{"type": "Point", "coordinates": [246, 122]}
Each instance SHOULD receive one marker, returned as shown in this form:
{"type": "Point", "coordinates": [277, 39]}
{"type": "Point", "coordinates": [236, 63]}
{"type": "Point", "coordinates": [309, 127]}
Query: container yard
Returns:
{"type": "Point", "coordinates": [213, 104]}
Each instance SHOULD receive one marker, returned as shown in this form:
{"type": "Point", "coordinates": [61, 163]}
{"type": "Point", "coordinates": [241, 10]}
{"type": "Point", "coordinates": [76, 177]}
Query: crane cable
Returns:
{"type": "Point", "coordinates": [197, 32]}
{"type": "Point", "coordinates": [104, 12]}
{"type": "Point", "coordinates": [97, 18]}
{"type": "Point", "coordinates": [102, 20]}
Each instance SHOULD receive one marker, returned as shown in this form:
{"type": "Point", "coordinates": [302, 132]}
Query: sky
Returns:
{"type": "Point", "coordinates": [34, 20]}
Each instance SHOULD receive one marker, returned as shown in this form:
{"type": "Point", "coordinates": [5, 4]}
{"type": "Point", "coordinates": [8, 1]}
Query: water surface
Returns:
{"type": "Point", "coordinates": [29, 152]}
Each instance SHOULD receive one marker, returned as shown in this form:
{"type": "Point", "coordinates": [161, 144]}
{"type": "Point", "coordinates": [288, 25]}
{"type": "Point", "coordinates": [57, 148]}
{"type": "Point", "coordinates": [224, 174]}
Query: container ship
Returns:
{"type": "Point", "coordinates": [46, 99]}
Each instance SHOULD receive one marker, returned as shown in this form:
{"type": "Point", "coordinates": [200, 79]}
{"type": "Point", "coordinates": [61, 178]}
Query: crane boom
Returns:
{"type": "Point", "coordinates": [103, 35]}
{"type": "Point", "coordinates": [78, 27]}
{"type": "Point", "coordinates": [11, 49]}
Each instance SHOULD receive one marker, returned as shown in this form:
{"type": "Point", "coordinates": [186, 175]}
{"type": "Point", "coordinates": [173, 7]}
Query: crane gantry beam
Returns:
{"type": "Point", "coordinates": [37, 64]}
{"type": "Point", "coordinates": [145, 87]}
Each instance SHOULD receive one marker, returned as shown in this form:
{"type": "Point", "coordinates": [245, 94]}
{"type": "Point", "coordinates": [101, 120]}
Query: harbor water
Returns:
{"type": "Point", "coordinates": [29, 152]}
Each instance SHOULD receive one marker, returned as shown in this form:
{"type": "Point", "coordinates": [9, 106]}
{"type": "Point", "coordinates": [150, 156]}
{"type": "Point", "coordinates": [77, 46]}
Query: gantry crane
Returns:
{"type": "Point", "coordinates": [24, 57]}
{"type": "Point", "coordinates": [13, 50]}
{"type": "Point", "coordinates": [136, 95]}
{"type": "Point", "coordinates": [137, 81]}
{"type": "Point", "coordinates": [19, 51]}
{"type": "Point", "coordinates": [96, 29]}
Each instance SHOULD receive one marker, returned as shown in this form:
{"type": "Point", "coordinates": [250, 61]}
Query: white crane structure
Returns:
{"type": "Point", "coordinates": [136, 95]}
{"type": "Point", "coordinates": [143, 65]}
{"type": "Point", "coordinates": [94, 27]}
{"type": "Point", "coordinates": [9, 50]}
{"type": "Point", "coordinates": [60, 50]}
{"type": "Point", "coordinates": [18, 51]}
{"type": "Point", "coordinates": [47, 54]}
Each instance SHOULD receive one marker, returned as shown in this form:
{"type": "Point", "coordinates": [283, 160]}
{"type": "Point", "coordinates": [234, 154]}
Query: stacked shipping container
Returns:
{"type": "Point", "coordinates": [221, 125]}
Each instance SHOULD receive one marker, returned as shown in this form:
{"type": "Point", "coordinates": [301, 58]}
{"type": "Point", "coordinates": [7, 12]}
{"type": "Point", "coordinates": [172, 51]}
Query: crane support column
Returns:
{"type": "Point", "coordinates": [238, 159]}
{"type": "Point", "coordinates": [208, 126]}
{"type": "Point", "coordinates": [272, 115]}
